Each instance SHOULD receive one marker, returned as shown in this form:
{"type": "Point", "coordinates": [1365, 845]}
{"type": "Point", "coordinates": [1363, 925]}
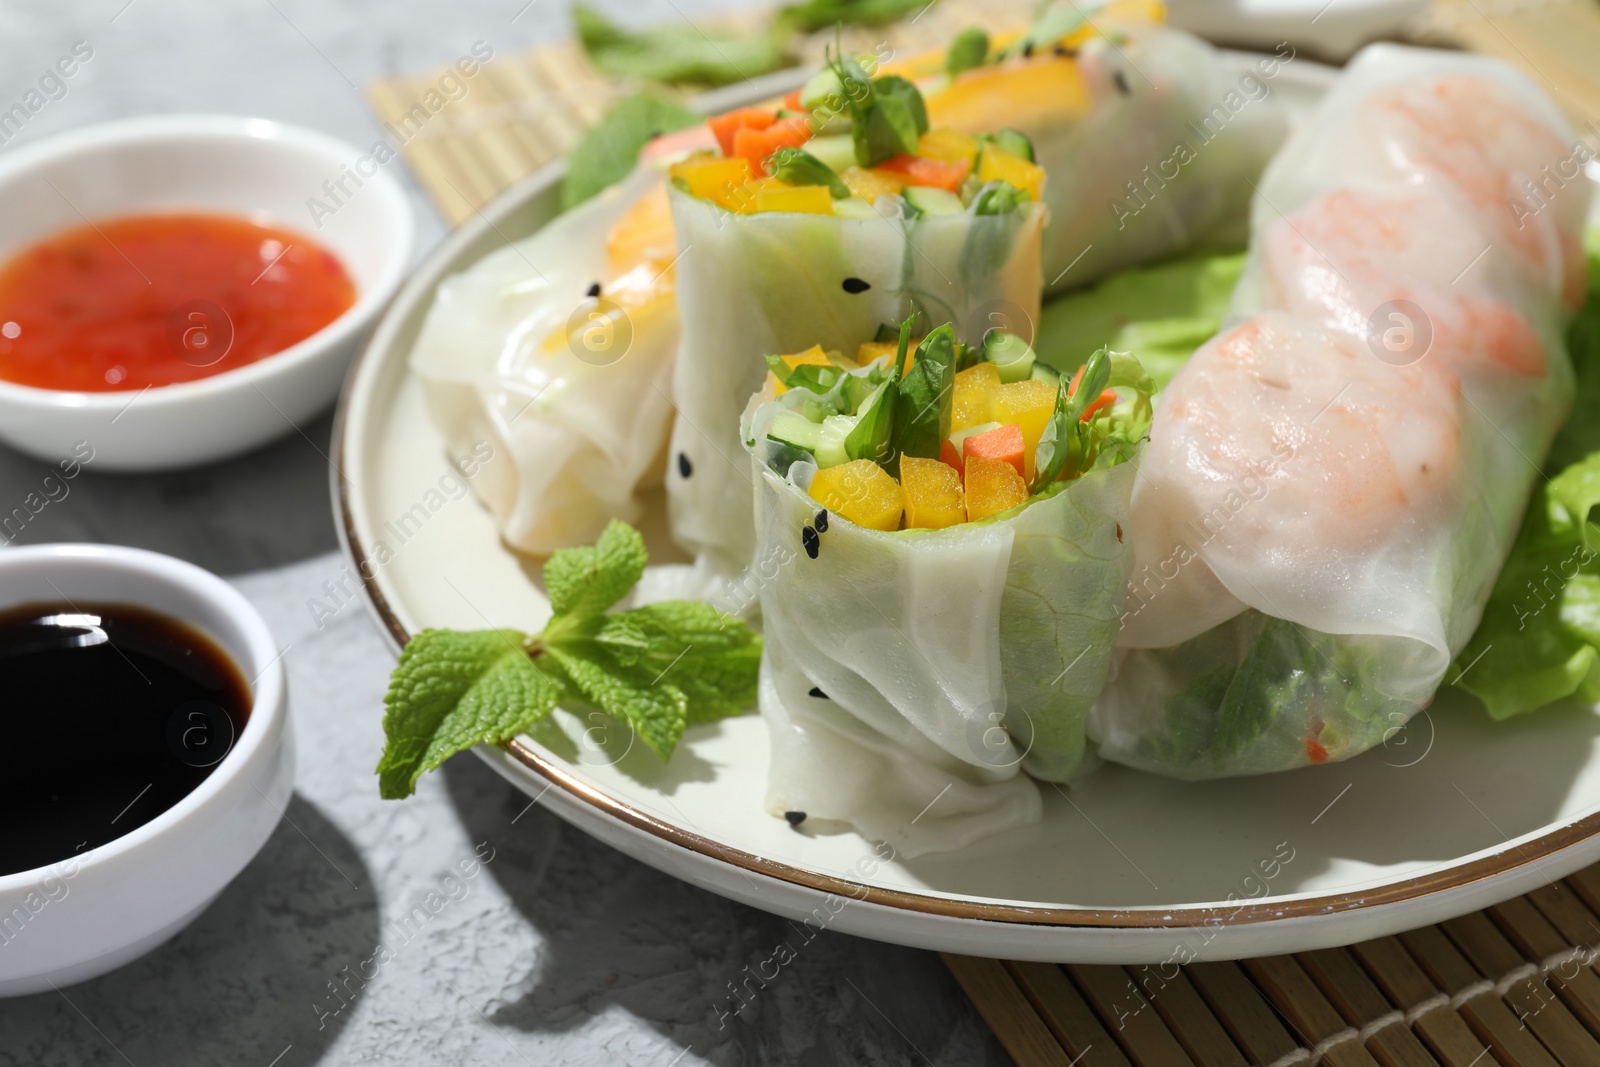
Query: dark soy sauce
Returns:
{"type": "Point", "coordinates": [109, 715]}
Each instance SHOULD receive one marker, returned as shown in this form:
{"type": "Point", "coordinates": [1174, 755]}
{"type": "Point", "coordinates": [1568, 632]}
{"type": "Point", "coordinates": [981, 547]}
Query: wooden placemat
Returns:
{"type": "Point", "coordinates": [1515, 985]}
{"type": "Point", "coordinates": [519, 112]}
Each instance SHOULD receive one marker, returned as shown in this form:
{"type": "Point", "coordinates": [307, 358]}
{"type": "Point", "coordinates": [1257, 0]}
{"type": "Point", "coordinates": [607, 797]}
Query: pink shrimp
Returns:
{"type": "Point", "coordinates": [1476, 135]}
{"type": "Point", "coordinates": [1349, 253]}
{"type": "Point", "coordinates": [1282, 452]}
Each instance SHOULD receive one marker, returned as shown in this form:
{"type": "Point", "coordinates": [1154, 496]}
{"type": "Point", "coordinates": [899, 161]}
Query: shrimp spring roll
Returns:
{"type": "Point", "coordinates": [1333, 483]}
{"type": "Point", "coordinates": [1150, 139]}
{"type": "Point", "coordinates": [941, 544]}
{"type": "Point", "coordinates": [789, 238]}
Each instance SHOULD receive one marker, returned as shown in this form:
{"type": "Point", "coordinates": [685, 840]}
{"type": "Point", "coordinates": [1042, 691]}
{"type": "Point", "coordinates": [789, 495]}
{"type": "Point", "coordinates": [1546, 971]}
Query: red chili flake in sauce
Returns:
{"type": "Point", "coordinates": [1315, 752]}
{"type": "Point", "coordinates": [152, 300]}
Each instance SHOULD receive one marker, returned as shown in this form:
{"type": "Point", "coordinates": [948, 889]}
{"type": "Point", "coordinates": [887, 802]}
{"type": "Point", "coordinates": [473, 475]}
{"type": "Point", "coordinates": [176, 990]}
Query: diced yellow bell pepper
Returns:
{"type": "Point", "coordinates": [644, 234]}
{"type": "Point", "coordinates": [993, 486]}
{"type": "Point", "coordinates": [974, 395]}
{"type": "Point", "coordinates": [814, 356]}
{"type": "Point", "coordinates": [933, 494]}
{"type": "Point", "coordinates": [1151, 11]}
{"type": "Point", "coordinates": [1028, 403]}
{"type": "Point", "coordinates": [996, 164]}
{"type": "Point", "coordinates": [948, 146]}
{"type": "Point", "coordinates": [871, 350]}
{"type": "Point", "coordinates": [713, 178]}
{"type": "Point", "coordinates": [741, 199]}
{"type": "Point", "coordinates": [871, 184]}
{"type": "Point", "coordinates": [801, 199]}
{"type": "Point", "coordinates": [862, 492]}
{"type": "Point", "coordinates": [1026, 94]}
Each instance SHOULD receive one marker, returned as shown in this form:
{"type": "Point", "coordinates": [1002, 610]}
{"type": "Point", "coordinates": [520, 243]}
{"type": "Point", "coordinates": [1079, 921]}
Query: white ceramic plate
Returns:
{"type": "Point", "coordinates": [1453, 814]}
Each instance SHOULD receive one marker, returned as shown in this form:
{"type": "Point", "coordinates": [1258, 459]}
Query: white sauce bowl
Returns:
{"type": "Point", "coordinates": [266, 171]}
{"type": "Point", "coordinates": [108, 905]}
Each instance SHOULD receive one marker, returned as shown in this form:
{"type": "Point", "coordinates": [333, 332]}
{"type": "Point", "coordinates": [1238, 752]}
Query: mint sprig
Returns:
{"type": "Point", "coordinates": [656, 668]}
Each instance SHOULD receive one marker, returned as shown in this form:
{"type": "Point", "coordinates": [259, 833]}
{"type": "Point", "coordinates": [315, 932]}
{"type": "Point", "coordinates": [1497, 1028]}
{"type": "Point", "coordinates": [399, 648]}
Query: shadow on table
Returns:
{"type": "Point", "coordinates": [618, 934]}
{"type": "Point", "coordinates": [251, 972]}
{"type": "Point", "coordinates": [267, 508]}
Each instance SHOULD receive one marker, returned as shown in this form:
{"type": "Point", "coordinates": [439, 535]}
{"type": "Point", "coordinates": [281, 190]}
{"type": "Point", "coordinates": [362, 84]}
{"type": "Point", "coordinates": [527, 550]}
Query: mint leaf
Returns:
{"type": "Point", "coordinates": [656, 712]}
{"type": "Point", "coordinates": [924, 397]}
{"type": "Point", "coordinates": [656, 668]}
{"type": "Point", "coordinates": [798, 167]}
{"type": "Point", "coordinates": [452, 690]}
{"type": "Point", "coordinates": [814, 378]}
{"type": "Point", "coordinates": [718, 683]}
{"type": "Point", "coordinates": [711, 657]}
{"type": "Point", "coordinates": [678, 51]}
{"type": "Point", "coordinates": [1063, 435]}
{"type": "Point", "coordinates": [583, 582]}
{"type": "Point", "coordinates": [889, 122]}
{"type": "Point", "coordinates": [609, 150]}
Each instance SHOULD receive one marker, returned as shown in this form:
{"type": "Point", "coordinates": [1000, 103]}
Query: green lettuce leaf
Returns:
{"type": "Point", "coordinates": [820, 14]}
{"type": "Point", "coordinates": [609, 150]}
{"type": "Point", "coordinates": [678, 51]}
{"type": "Point", "coordinates": [1160, 314]}
{"type": "Point", "coordinates": [1539, 639]}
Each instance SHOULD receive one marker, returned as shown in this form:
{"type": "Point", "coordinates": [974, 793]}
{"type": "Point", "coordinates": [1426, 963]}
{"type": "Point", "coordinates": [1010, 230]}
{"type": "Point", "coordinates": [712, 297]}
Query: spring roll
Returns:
{"type": "Point", "coordinates": [1142, 164]}
{"type": "Point", "coordinates": [1333, 483]}
{"type": "Point", "coordinates": [788, 238]}
{"type": "Point", "coordinates": [1151, 140]}
{"type": "Point", "coordinates": [553, 356]}
{"type": "Point", "coordinates": [936, 626]}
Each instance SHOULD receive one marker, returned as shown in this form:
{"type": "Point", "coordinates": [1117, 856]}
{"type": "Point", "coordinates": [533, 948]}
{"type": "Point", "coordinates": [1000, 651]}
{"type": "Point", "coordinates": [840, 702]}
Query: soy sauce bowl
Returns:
{"type": "Point", "coordinates": [105, 906]}
{"type": "Point", "coordinates": [252, 168]}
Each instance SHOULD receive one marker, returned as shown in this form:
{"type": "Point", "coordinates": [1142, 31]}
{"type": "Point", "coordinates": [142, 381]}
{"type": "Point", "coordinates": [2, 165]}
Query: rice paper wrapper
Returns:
{"type": "Point", "coordinates": [774, 283]}
{"type": "Point", "coordinates": [1152, 151]}
{"type": "Point", "coordinates": [572, 430]}
{"type": "Point", "coordinates": [957, 657]}
{"type": "Point", "coordinates": [1330, 490]}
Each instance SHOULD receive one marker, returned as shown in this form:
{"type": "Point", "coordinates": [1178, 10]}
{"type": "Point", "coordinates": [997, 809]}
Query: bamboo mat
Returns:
{"type": "Point", "coordinates": [520, 112]}
{"type": "Point", "coordinates": [1515, 985]}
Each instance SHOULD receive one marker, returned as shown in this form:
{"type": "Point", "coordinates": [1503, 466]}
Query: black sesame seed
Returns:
{"type": "Point", "coordinates": [795, 817]}
{"type": "Point", "coordinates": [821, 521]}
{"type": "Point", "coordinates": [1066, 53]}
{"type": "Point", "coordinates": [1027, 50]}
{"type": "Point", "coordinates": [1122, 83]}
{"type": "Point", "coordinates": [684, 467]}
{"type": "Point", "coordinates": [809, 538]}
{"type": "Point", "coordinates": [819, 694]}
{"type": "Point", "coordinates": [855, 285]}
{"type": "Point", "coordinates": [594, 290]}
{"type": "Point", "coordinates": [1119, 533]}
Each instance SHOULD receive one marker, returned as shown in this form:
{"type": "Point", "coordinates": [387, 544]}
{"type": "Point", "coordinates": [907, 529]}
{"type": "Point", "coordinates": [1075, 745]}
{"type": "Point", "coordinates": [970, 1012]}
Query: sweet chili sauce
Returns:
{"type": "Point", "coordinates": [151, 300]}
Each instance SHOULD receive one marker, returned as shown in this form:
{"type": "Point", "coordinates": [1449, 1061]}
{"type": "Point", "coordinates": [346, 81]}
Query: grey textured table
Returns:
{"type": "Point", "coordinates": [560, 951]}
